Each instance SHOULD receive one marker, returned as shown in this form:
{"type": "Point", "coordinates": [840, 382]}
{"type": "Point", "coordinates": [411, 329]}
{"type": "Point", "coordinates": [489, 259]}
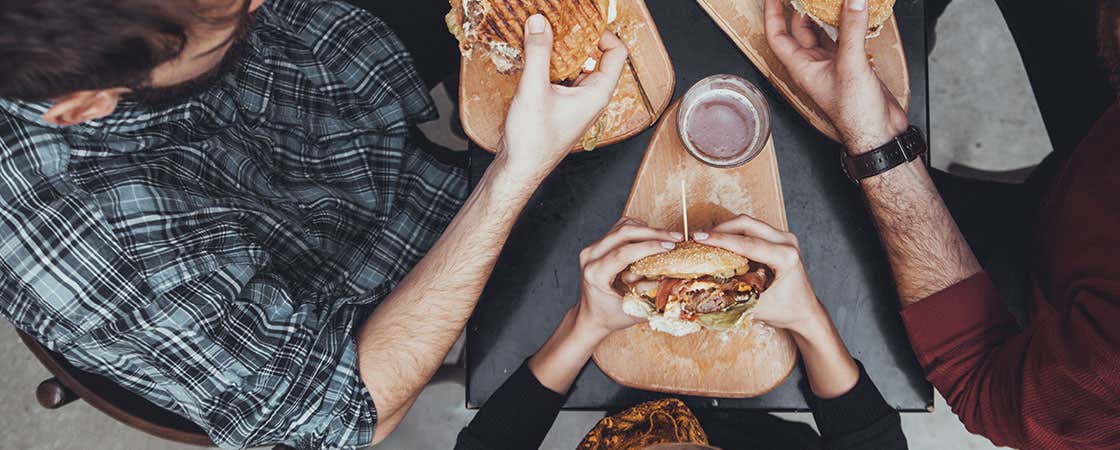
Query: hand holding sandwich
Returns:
{"type": "Point", "coordinates": [545, 120]}
{"type": "Point", "coordinates": [790, 302]}
{"type": "Point", "coordinates": [599, 311]}
{"type": "Point", "coordinates": [629, 241]}
{"type": "Point", "coordinates": [435, 299]}
{"type": "Point", "coordinates": [838, 75]}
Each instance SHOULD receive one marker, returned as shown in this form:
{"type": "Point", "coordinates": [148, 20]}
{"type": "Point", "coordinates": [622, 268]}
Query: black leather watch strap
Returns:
{"type": "Point", "coordinates": [907, 147]}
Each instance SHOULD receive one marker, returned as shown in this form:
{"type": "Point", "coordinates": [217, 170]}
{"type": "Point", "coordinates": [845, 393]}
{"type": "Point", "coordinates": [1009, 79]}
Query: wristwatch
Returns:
{"type": "Point", "coordinates": [907, 147]}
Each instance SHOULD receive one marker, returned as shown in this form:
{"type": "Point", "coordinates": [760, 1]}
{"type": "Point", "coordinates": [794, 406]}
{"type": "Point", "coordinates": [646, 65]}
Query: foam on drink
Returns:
{"type": "Point", "coordinates": [722, 124]}
{"type": "Point", "coordinates": [724, 121]}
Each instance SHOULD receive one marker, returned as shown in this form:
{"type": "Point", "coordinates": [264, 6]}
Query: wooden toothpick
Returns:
{"type": "Point", "coordinates": [684, 210]}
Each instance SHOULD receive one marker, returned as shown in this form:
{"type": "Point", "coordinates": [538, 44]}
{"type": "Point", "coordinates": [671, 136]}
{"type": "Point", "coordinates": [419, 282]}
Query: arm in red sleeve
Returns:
{"type": "Point", "coordinates": [1054, 385]}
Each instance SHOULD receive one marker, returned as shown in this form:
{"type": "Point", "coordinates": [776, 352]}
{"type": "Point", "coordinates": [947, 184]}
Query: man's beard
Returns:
{"type": "Point", "coordinates": [1110, 39]}
{"type": "Point", "coordinates": [168, 96]}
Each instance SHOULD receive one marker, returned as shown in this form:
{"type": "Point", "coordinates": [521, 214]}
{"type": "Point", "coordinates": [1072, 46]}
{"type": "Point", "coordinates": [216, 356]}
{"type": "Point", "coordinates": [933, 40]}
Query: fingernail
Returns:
{"type": "Point", "coordinates": [668, 245]}
{"type": "Point", "coordinates": [700, 236]}
{"type": "Point", "coordinates": [857, 5]}
{"type": "Point", "coordinates": [536, 24]}
{"type": "Point", "coordinates": [676, 235]}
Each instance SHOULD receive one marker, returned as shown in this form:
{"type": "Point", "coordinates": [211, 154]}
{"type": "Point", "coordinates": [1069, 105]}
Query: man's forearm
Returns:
{"type": "Point", "coordinates": [926, 249]}
{"type": "Point", "coordinates": [407, 337]}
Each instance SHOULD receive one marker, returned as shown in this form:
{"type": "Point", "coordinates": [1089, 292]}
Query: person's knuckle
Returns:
{"type": "Point", "coordinates": [789, 255]}
{"type": "Point", "coordinates": [796, 243]}
{"type": "Point", "coordinates": [589, 271]}
{"type": "Point", "coordinates": [584, 255]}
{"type": "Point", "coordinates": [629, 228]}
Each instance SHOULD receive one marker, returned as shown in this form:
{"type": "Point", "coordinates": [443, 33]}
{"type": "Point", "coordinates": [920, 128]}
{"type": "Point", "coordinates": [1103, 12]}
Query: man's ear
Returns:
{"type": "Point", "coordinates": [254, 4]}
{"type": "Point", "coordinates": [83, 106]}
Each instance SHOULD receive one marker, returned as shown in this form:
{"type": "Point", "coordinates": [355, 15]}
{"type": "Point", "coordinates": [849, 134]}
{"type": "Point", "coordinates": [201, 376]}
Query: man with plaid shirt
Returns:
{"type": "Point", "coordinates": [224, 206]}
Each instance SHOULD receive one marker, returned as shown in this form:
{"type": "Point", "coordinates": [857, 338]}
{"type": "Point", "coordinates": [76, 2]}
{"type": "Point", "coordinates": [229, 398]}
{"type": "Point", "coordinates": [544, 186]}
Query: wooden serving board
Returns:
{"type": "Point", "coordinates": [707, 363]}
{"type": "Point", "coordinates": [744, 22]}
{"type": "Point", "coordinates": [485, 94]}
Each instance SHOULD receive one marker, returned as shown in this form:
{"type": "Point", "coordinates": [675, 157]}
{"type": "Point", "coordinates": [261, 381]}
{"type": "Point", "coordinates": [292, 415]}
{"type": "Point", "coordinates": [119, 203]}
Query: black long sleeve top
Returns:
{"type": "Point", "coordinates": [520, 413]}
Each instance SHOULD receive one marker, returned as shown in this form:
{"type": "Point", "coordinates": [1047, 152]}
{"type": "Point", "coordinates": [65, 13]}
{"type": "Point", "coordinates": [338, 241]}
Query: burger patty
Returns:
{"type": "Point", "coordinates": [703, 295]}
{"type": "Point", "coordinates": [709, 300]}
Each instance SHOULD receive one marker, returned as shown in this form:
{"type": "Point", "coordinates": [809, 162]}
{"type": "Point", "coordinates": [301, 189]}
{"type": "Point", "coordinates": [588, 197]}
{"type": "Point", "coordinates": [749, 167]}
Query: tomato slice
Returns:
{"type": "Point", "coordinates": [663, 292]}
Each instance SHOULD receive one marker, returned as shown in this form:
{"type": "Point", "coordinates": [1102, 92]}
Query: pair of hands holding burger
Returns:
{"type": "Point", "coordinates": [741, 261]}
{"type": "Point", "coordinates": [743, 268]}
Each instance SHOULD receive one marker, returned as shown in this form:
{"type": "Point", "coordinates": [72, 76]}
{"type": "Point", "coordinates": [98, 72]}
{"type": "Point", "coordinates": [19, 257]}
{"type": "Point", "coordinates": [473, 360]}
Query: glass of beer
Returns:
{"type": "Point", "coordinates": [724, 121]}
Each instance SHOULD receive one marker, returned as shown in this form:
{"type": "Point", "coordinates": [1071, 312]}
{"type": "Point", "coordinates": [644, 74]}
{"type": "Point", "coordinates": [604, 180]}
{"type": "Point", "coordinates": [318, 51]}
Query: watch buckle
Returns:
{"type": "Point", "coordinates": [907, 145]}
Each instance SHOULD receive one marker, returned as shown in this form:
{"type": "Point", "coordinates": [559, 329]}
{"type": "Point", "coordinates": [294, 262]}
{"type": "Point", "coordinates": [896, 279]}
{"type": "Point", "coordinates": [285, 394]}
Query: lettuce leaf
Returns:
{"type": "Point", "coordinates": [726, 319]}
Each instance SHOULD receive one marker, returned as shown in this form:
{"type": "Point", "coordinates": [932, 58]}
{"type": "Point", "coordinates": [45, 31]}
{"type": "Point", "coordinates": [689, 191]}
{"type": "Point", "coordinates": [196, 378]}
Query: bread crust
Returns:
{"type": "Point", "coordinates": [828, 11]}
{"type": "Point", "coordinates": [692, 260]}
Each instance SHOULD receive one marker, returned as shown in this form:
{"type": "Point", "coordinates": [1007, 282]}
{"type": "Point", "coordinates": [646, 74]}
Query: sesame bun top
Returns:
{"type": "Point", "coordinates": [692, 260]}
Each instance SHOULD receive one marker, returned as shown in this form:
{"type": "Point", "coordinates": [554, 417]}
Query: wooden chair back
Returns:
{"type": "Point", "coordinates": [70, 383]}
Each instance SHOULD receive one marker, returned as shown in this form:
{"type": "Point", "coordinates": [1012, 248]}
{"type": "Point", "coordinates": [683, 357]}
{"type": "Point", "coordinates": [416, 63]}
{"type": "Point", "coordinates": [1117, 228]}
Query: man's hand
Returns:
{"type": "Point", "coordinates": [545, 120]}
{"type": "Point", "coordinates": [600, 306]}
{"type": "Point", "coordinates": [838, 76]}
{"type": "Point", "coordinates": [406, 338]}
{"type": "Point", "coordinates": [789, 302]}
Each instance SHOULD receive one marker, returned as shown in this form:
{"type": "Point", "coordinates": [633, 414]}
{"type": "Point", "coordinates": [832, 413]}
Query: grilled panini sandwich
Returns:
{"type": "Point", "coordinates": [495, 28]}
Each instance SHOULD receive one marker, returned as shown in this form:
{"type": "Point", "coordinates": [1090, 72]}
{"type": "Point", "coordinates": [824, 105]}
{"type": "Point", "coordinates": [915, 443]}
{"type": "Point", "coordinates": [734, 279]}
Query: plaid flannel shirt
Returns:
{"type": "Point", "coordinates": [216, 257]}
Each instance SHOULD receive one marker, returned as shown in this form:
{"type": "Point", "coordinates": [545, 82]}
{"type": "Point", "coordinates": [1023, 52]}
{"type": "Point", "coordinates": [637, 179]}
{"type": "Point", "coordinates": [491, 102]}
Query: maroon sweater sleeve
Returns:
{"type": "Point", "coordinates": [1049, 386]}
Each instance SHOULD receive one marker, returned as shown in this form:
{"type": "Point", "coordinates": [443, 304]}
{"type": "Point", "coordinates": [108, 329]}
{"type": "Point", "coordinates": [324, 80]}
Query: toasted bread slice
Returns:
{"type": "Point", "coordinates": [496, 28]}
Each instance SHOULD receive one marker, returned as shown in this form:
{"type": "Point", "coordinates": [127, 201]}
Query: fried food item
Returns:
{"type": "Point", "coordinates": [665, 421]}
{"type": "Point", "coordinates": [496, 29]}
{"type": "Point", "coordinates": [826, 13]}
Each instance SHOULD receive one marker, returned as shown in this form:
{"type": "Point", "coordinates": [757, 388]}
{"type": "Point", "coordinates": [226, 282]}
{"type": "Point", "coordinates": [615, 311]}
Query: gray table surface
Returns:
{"type": "Point", "coordinates": [537, 275]}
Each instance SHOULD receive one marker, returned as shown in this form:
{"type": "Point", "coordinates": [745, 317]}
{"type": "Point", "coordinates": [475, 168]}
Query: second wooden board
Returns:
{"type": "Point", "coordinates": [732, 365]}
{"type": "Point", "coordinates": [645, 89]}
{"type": "Point", "coordinates": [744, 22]}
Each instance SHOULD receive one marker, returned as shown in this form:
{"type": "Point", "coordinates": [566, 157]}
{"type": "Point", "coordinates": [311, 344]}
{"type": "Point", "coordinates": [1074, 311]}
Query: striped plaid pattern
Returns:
{"type": "Point", "coordinates": [217, 256]}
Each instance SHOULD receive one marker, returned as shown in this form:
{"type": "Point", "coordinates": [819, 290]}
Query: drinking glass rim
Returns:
{"type": "Point", "coordinates": [751, 94]}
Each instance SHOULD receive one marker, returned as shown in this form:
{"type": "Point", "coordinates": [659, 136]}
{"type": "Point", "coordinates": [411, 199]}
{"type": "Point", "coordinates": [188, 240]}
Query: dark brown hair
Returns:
{"type": "Point", "coordinates": [50, 48]}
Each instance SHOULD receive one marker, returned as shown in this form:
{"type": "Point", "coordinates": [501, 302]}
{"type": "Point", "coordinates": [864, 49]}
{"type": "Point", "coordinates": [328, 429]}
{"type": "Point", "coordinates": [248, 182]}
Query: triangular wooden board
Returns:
{"type": "Point", "coordinates": [729, 365]}
{"type": "Point", "coordinates": [484, 94]}
{"type": "Point", "coordinates": [744, 22]}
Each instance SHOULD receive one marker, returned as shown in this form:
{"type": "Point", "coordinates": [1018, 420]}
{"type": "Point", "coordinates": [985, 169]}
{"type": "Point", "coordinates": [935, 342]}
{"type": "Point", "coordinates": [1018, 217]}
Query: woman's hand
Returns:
{"type": "Point", "coordinates": [600, 306]}
{"type": "Point", "coordinates": [546, 120]}
{"type": "Point", "coordinates": [789, 302]}
{"type": "Point", "coordinates": [599, 311]}
{"type": "Point", "coordinates": [838, 75]}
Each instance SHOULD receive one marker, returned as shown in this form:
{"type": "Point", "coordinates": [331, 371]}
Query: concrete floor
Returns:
{"type": "Point", "coordinates": [980, 97]}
